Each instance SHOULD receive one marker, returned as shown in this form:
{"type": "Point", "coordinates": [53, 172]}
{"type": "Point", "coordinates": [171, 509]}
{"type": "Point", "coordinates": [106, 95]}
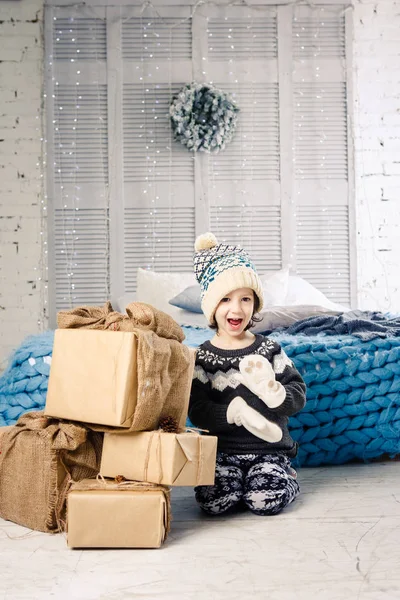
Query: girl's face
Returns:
{"type": "Point", "coordinates": [234, 312]}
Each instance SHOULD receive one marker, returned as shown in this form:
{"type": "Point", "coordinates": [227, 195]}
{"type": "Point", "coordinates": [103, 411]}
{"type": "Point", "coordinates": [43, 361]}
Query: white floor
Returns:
{"type": "Point", "coordinates": [340, 539]}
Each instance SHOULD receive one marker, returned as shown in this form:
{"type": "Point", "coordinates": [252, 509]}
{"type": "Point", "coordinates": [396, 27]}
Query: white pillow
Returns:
{"type": "Point", "coordinates": [288, 298]}
{"type": "Point", "coordinates": [302, 300]}
{"type": "Point", "coordinates": [122, 302]}
{"type": "Point", "coordinates": [275, 287]}
{"type": "Point", "coordinates": [182, 317]}
{"type": "Point", "coordinates": [301, 292]}
{"type": "Point", "coordinates": [158, 288]}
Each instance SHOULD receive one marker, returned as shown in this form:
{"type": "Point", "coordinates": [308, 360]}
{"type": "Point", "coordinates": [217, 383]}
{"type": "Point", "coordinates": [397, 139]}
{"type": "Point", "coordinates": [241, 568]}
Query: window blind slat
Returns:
{"type": "Point", "coordinates": [81, 257]}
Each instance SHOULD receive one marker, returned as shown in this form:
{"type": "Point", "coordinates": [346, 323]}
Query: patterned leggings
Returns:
{"type": "Point", "coordinates": [266, 484]}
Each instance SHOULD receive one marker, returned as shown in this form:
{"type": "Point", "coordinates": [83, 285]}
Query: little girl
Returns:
{"type": "Point", "coordinates": [244, 389]}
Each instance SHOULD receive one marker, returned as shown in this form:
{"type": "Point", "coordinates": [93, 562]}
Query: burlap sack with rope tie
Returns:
{"type": "Point", "coordinates": [139, 316]}
{"type": "Point", "coordinates": [39, 458]}
{"type": "Point", "coordinates": [164, 364]}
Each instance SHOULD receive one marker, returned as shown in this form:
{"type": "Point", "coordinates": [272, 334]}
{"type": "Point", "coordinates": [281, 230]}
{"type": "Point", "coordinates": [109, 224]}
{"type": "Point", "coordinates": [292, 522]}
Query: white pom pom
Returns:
{"type": "Point", "coordinates": [205, 242]}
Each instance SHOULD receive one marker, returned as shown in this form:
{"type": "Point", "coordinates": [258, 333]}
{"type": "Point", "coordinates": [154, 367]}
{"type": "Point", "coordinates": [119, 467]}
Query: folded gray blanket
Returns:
{"type": "Point", "coordinates": [365, 325]}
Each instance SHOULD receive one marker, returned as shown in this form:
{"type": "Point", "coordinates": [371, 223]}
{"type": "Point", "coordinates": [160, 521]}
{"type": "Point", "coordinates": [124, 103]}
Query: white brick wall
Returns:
{"type": "Point", "coordinates": [377, 152]}
{"type": "Point", "coordinates": [21, 73]}
{"type": "Point", "coordinates": [377, 161]}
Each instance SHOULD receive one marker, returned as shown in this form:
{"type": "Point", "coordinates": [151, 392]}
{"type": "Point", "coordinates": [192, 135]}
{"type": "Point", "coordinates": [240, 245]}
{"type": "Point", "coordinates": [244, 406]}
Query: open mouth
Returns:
{"type": "Point", "coordinates": [235, 323]}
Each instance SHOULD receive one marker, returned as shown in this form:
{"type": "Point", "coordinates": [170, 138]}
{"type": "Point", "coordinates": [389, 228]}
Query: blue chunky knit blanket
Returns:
{"type": "Point", "coordinates": [23, 385]}
{"type": "Point", "coordinates": [353, 392]}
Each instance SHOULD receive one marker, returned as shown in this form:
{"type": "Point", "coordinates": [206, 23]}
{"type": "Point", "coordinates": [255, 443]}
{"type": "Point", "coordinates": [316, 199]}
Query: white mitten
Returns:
{"type": "Point", "coordinates": [259, 376]}
{"type": "Point", "coordinates": [240, 413]}
{"type": "Point", "coordinates": [233, 414]}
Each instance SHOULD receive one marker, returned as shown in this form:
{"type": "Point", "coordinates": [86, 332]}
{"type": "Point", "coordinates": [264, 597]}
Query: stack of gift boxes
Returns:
{"type": "Point", "coordinates": [95, 383]}
{"type": "Point", "coordinates": [128, 504]}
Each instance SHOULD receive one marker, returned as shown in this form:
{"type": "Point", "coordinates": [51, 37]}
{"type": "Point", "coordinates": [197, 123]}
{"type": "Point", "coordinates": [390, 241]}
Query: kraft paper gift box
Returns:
{"type": "Point", "coordinates": [93, 377]}
{"type": "Point", "coordinates": [177, 459]}
{"type": "Point", "coordinates": [104, 514]}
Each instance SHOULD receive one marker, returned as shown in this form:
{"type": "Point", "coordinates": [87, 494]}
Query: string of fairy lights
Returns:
{"type": "Point", "coordinates": [321, 39]}
{"type": "Point", "coordinates": [79, 139]}
{"type": "Point", "coordinates": [42, 269]}
{"type": "Point", "coordinates": [155, 35]}
{"type": "Point", "coordinates": [239, 219]}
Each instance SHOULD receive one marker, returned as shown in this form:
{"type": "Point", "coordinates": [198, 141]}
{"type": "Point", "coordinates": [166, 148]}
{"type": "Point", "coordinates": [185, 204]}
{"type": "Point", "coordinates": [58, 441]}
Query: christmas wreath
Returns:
{"type": "Point", "coordinates": [203, 117]}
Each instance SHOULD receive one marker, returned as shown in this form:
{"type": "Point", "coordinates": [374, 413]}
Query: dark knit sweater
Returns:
{"type": "Point", "coordinates": [214, 387]}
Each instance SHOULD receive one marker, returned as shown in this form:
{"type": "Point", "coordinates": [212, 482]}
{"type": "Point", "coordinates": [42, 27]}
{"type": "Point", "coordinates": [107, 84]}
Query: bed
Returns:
{"type": "Point", "coordinates": [353, 391]}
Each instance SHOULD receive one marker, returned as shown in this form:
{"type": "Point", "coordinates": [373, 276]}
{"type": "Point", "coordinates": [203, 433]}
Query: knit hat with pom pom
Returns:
{"type": "Point", "coordinates": [221, 269]}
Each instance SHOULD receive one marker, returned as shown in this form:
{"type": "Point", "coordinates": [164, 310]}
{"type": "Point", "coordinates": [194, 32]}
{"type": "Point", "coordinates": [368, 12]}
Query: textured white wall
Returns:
{"type": "Point", "coordinates": [376, 63]}
{"type": "Point", "coordinates": [377, 161]}
{"type": "Point", "coordinates": [21, 78]}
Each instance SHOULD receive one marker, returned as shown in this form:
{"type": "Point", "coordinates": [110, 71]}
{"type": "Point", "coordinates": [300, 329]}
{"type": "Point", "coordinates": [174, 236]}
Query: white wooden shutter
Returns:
{"type": "Point", "coordinates": [148, 240]}
{"type": "Point", "coordinates": [78, 148]}
{"type": "Point", "coordinates": [244, 179]}
{"type": "Point", "coordinates": [81, 251]}
{"type": "Point", "coordinates": [158, 228]}
{"type": "Point", "coordinates": [256, 228]}
{"type": "Point", "coordinates": [124, 194]}
{"type": "Point", "coordinates": [80, 136]}
{"type": "Point", "coordinates": [321, 155]}
{"type": "Point", "coordinates": [149, 151]}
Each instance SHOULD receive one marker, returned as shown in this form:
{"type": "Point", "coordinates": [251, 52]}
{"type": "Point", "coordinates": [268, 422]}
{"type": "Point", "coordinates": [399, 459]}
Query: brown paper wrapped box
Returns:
{"type": "Point", "coordinates": [39, 457]}
{"type": "Point", "coordinates": [120, 379]}
{"type": "Point", "coordinates": [177, 459]}
{"type": "Point", "coordinates": [93, 377]}
{"type": "Point", "coordinates": [104, 514]}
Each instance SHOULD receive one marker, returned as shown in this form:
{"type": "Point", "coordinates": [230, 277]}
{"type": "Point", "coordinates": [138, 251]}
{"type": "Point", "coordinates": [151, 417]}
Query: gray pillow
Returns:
{"type": "Point", "coordinates": [189, 299]}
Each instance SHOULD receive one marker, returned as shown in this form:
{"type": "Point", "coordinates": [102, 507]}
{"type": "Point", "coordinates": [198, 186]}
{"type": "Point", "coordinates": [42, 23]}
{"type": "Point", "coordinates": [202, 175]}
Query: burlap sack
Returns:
{"type": "Point", "coordinates": [164, 364]}
{"type": "Point", "coordinates": [139, 316]}
{"type": "Point", "coordinates": [39, 458]}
